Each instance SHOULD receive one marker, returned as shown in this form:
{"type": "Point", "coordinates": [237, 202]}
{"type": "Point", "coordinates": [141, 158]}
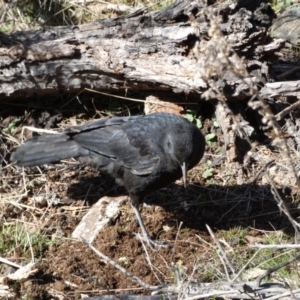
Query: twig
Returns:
{"type": "Point", "coordinates": [17, 204]}
{"type": "Point", "coordinates": [287, 110]}
{"type": "Point", "coordinates": [7, 262]}
{"type": "Point", "coordinates": [204, 241]}
{"type": "Point", "coordinates": [212, 294]}
{"type": "Point", "coordinates": [30, 246]}
{"type": "Point", "coordinates": [147, 256]}
{"type": "Point", "coordinates": [287, 73]}
{"type": "Point", "coordinates": [282, 246]}
{"type": "Point", "coordinates": [282, 206]}
{"type": "Point", "coordinates": [285, 294]}
{"type": "Point", "coordinates": [127, 98]}
{"type": "Point", "coordinates": [246, 265]}
{"type": "Point", "coordinates": [123, 270]}
{"type": "Point", "coordinates": [176, 238]}
{"type": "Point", "coordinates": [274, 269]}
{"type": "Point", "coordinates": [39, 130]}
{"type": "Point", "coordinates": [222, 251]}
{"type": "Point", "coordinates": [262, 170]}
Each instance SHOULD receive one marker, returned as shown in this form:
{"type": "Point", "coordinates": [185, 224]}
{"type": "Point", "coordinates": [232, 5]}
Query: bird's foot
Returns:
{"type": "Point", "coordinates": [152, 243]}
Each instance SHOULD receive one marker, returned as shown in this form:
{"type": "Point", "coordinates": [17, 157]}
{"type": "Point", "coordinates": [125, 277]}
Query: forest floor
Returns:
{"type": "Point", "coordinates": [41, 207]}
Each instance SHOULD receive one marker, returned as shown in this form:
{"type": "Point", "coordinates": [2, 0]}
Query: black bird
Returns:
{"type": "Point", "coordinates": [143, 153]}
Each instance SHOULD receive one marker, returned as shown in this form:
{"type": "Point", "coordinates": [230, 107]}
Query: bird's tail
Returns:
{"type": "Point", "coordinates": [46, 149]}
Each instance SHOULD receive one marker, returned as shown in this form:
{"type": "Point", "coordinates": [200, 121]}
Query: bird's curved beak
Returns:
{"type": "Point", "coordinates": [184, 173]}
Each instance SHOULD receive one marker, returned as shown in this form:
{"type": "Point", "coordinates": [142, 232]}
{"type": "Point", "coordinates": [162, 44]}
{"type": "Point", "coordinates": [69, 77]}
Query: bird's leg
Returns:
{"type": "Point", "coordinates": [147, 238]}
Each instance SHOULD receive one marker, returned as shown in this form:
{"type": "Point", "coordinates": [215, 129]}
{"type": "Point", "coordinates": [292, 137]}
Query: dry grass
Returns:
{"type": "Point", "coordinates": [33, 14]}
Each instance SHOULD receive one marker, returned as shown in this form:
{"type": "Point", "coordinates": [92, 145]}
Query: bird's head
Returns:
{"type": "Point", "coordinates": [185, 144]}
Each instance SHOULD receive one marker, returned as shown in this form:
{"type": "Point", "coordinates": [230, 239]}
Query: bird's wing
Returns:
{"type": "Point", "coordinates": [122, 140]}
{"type": "Point", "coordinates": [141, 157]}
{"type": "Point", "coordinates": [97, 124]}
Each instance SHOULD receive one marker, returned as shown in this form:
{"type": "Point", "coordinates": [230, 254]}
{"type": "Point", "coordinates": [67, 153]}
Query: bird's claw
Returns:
{"type": "Point", "coordinates": [152, 243]}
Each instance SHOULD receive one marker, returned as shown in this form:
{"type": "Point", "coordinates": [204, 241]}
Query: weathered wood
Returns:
{"type": "Point", "coordinates": [150, 51]}
{"type": "Point", "coordinates": [282, 88]}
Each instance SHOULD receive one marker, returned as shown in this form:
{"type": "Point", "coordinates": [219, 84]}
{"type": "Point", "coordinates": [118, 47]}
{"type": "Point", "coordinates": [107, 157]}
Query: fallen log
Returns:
{"type": "Point", "coordinates": [159, 51]}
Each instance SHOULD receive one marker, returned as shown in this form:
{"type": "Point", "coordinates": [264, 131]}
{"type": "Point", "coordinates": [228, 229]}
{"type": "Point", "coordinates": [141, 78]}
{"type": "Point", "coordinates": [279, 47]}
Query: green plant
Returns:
{"type": "Point", "coordinates": [215, 122]}
{"type": "Point", "coordinates": [19, 240]}
{"type": "Point", "coordinates": [209, 172]}
{"type": "Point", "coordinates": [281, 4]}
{"type": "Point", "coordinates": [191, 116]}
{"type": "Point", "coordinates": [210, 139]}
{"type": "Point", "coordinates": [12, 126]}
{"type": "Point", "coordinates": [235, 235]}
